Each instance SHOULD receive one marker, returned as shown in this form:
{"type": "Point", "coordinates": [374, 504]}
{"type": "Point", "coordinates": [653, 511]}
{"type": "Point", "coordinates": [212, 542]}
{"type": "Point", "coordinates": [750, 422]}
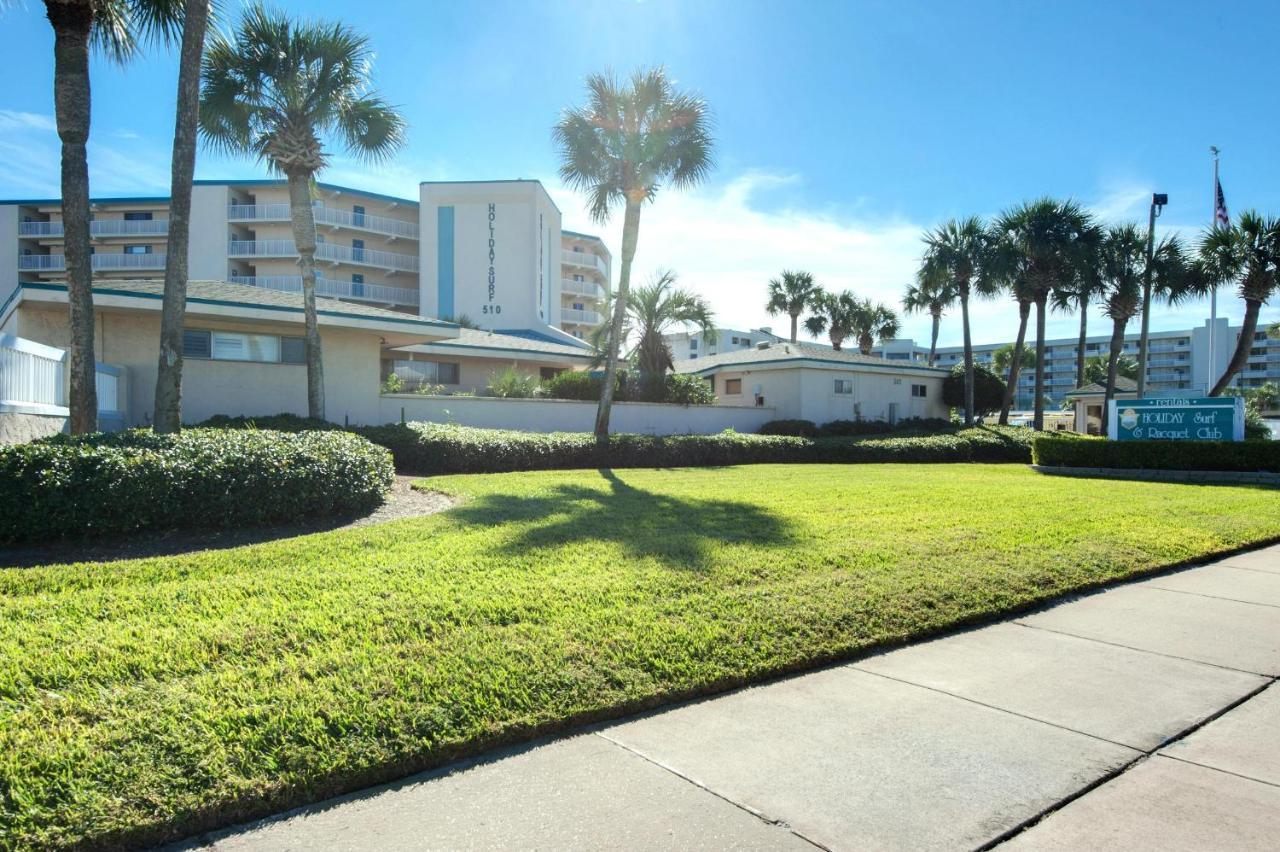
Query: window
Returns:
{"type": "Point", "coordinates": [357, 250]}
{"type": "Point", "coordinates": [293, 350]}
{"type": "Point", "coordinates": [920, 391]}
{"type": "Point", "coordinates": [415, 373]}
{"type": "Point", "coordinates": [137, 216]}
{"type": "Point", "coordinates": [578, 278]}
{"type": "Point", "coordinates": [237, 346]}
{"type": "Point", "coordinates": [693, 344]}
{"type": "Point", "coordinates": [732, 387]}
{"type": "Point", "coordinates": [357, 215]}
{"type": "Point", "coordinates": [844, 387]}
{"type": "Point", "coordinates": [195, 344]}
{"type": "Point", "coordinates": [137, 249]}
{"type": "Point", "coordinates": [357, 278]}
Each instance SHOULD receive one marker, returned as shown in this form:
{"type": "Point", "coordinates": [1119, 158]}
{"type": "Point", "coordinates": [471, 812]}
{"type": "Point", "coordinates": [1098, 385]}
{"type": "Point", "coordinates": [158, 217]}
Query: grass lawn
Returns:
{"type": "Point", "coordinates": [147, 699]}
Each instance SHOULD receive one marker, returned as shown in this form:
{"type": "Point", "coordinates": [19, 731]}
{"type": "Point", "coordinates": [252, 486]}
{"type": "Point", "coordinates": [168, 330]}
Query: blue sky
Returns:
{"type": "Point", "coordinates": [844, 128]}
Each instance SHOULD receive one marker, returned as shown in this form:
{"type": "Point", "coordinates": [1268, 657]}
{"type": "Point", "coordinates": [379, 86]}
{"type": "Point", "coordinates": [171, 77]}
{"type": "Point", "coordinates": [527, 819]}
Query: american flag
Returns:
{"type": "Point", "coordinates": [1220, 217]}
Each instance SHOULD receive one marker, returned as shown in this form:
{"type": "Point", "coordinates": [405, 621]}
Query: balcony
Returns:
{"type": "Point", "coordinates": [99, 228]}
{"type": "Point", "coordinates": [1168, 362]}
{"type": "Point", "coordinates": [395, 228]}
{"type": "Point", "coordinates": [330, 252]}
{"type": "Point", "coordinates": [575, 317]}
{"type": "Point", "coordinates": [582, 288]}
{"type": "Point", "coordinates": [100, 262]}
{"type": "Point", "coordinates": [585, 260]}
{"type": "Point", "coordinates": [333, 289]}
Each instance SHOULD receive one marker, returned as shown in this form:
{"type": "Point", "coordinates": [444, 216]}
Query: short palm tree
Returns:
{"type": "Point", "coordinates": [1248, 254]}
{"type": "Point", "coordinates": [1050, 236]}
{"type": "Point", "coordinates": [932, 293]}
{"type": "Point", "coordinates": [871, 322]}
{"type": "Point", "coordinates": [627, 142]}
{"type": "Point", "coordinates": [832, 315]}
{"type": "Point", "coordinates": [656, 308]}
{"type": "Point", "coordinates": [274, 88]}
{"type": "Point", "coordinates": [115, 28]}
{"type": "Point", "coordinates": [961, 251]}
{"type": "Point", "coordinates": [790, 294]}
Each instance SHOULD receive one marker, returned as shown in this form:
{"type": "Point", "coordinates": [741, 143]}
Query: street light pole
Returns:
{"type": "Point", "coordinates": [1213, 293]}
{"type": "Point", "coordinates": [1158, 201]}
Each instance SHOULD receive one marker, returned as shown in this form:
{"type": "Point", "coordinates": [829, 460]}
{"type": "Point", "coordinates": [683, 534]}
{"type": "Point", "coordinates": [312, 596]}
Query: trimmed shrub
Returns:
{"type": "Point", "coordinates": [428, 449]}
{"type": "Point", "coordinates": [793, 428]}
{"type": "Point", "coordinates": [576, 384]}
{"type": "Point", "coordinates": [1078, 451]}
{"type": "Point", "coordinates": [685, 389]}
{"type": "Point", "coordinates": [988, 390]}
{"type": "Point", "coordinates": [850, 428]}
{"type": "Point", "coordinates": [111, 484]}
{"type": "Point", "coordinates": [277, 422]}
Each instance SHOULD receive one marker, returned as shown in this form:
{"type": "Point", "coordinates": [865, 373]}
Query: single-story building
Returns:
{"type": "Point", "coordinates": [807, 382]}
{"type": "Point", "coordinates": [1088, 401]}
{"type": "Point", "coordinates": [465, 363]}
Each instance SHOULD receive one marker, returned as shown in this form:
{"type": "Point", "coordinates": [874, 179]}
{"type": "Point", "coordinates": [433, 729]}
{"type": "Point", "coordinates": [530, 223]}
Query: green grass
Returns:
{"type": "Point", "coordinates": [148, 699]}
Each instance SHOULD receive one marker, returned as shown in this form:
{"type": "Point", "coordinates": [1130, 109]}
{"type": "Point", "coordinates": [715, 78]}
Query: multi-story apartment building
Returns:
{"type": "Point", "coordinates": [1178, 361]}
{"type": "Point", "coordinates": [687, 345]}
{"type": "Point", "coordinates": [491, 250]}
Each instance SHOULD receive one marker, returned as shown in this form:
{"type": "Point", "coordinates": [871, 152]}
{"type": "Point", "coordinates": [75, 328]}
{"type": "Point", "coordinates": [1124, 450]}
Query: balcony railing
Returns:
{"type": "Point", "coordinates": [99, 228]}
{"type": "Point", "coordinates": [579, 317]}
{"type": "Point", "coordinates": [582, 288]}
{"type": "Point", "coordinates": [333, 289]}
{"type": "Point", "coordinates": [280, 212]}
{"type": "Point", "coordinates": [585, 259]}
{"type": "Point", "coordinates": [100, 262]}
{"type": "Point", "coordinates": [325, 251]}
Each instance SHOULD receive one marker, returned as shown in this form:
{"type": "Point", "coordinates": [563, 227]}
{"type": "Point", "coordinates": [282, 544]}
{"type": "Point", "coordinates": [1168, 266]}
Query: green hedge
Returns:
{"type": "Point", "coordinates": [1076, 451]}
{"type": "Point", "coordinates": [110, 484]}
{"type": "Point", "coordinates": [427, 449]}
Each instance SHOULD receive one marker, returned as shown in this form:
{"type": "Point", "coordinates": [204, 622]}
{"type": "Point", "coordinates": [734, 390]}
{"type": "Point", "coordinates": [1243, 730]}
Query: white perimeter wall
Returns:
{"type": "Point", "coordinates": [562, 415]}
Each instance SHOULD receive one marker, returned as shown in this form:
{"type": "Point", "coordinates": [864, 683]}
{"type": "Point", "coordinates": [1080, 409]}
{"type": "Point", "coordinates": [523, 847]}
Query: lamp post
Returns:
{"type": "Point", "coordinates": [1158, 201]}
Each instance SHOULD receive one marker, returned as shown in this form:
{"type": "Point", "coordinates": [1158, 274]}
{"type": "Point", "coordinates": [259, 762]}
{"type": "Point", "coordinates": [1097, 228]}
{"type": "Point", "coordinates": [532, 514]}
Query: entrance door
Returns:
{"type": "Point", "coordinates": [893, 414]}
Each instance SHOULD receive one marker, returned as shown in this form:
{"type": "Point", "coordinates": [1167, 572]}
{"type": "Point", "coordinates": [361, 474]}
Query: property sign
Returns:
{"type": "Point", "coordinates": [1214, 418]}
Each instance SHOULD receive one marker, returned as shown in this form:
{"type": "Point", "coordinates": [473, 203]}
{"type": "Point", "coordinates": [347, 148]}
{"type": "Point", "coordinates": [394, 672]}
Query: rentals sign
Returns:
{"type": "Point", "coordinates": [1214, 418]}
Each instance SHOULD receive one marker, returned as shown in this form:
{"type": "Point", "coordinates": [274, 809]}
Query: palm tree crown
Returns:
{"type": "Point", "coordinates": [790, 294]}
{"type": "Point", "coordinates": [833, 314]}
{"type": "Point", "coordinates": [932, 293]}
{"type": "Point", "coordinates": [653, 310]}
{"type": "Point", "coordinates": [871, 322]}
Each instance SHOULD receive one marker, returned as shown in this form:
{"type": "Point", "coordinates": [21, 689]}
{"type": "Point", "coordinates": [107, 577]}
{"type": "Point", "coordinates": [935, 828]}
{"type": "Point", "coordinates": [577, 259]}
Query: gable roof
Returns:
{"type": "Point", "coordinates": [784, 352]}
{"type": "Point", "coordinates": [479, 342]}
{"type": "Point", "coordinates": [1123, 385]}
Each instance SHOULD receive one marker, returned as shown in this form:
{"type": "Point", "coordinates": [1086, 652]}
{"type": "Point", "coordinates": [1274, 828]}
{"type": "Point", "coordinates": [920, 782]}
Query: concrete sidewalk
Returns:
{"type": "Point", "coordinates": [1081, 726]}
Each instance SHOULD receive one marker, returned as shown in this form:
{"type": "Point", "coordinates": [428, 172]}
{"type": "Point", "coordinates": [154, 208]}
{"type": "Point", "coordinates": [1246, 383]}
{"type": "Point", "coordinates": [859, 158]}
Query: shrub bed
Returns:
{"type": "Point", "coordinates": [1076, 451]}
{"type": "Point", "coordinates": [427, 449]}
{"type": "Point", "coordinates": [109, 484]}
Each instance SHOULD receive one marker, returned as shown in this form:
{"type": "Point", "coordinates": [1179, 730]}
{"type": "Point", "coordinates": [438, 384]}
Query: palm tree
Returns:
{"type": "Point", "coordinates": [1247, 253]}
{"type": "Point", "coordinates": [1085, 286]}
{"type": "Point", "coordinates": [168, 403]}
{"type": "Point", "coordinates": [626, 143]}
{"type": "Point", "coordinates": [1121, 259]}
{"type": "Point", "coordinates": [273, 88]}
{"type": "Point", "coordinates": [653, 310]}
{"type": "Point", "coordinates": [1095, 369]}
{"type": "Point", "coordinates": [113, 27]}
{"type": "Point", "coordinates": [790, 294]}
{"type": "Point", "coordinates": [871, 322]}
{"type": "Point", "coordinates": [960, 250]}
{"type": "Point", "coordinates": [1010, 270]}
{"type": "Point", "coordinates": [833, 314]}
{"type": "Point", "coordinates": [1049, 235]}
{"type": "Point", "coordinates": [932, 293]}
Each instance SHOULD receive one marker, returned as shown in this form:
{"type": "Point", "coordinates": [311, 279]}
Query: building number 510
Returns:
{"type": "Point", "coordinates": [491, 309]}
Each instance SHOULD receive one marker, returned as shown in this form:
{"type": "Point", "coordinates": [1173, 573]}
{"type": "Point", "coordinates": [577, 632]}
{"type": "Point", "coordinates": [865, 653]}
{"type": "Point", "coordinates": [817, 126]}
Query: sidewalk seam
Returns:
{"type": "Point", "coordinates": [1213, 597]}
{"type": "Point", "coordinates": [1217, 769]}
{"type": "Point", "coordinates": [1267, 675]}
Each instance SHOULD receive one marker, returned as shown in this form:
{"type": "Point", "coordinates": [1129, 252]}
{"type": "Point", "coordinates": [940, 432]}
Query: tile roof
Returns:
{"type": "Point", "coordinates": [471, 338]}
{"type": "Point", "coordinates": [787, 351]}
{"type": "Point", "coordinates": [1122, 384]}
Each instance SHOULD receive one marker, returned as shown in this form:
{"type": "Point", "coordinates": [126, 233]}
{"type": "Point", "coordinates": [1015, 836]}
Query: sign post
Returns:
{"type": "Point", "coordinates": [1213, 418]}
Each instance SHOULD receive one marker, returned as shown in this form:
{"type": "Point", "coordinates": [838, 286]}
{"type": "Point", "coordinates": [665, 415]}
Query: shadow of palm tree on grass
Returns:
{"type": "Point", "coordinates": [678, 532]}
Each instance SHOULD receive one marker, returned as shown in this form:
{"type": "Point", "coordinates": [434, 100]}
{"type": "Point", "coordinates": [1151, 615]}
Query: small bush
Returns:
{"type": "Point", "coordinates": [685, 389]}
{"type": "Point", "coordinates": [510, 383]}
{"type": "Point", "coordinates": [1077, 451]}
{"type": "Point", "coordinates": [392, 384]}
{"type": "Point", "coordinates": [850, 428]}
{"type": "Point", "coordinates": [793, 428]}
{"type": "Point", "coordinates": [282, 422]}
{"type": "Point", "coordinates": [112, 484]}
{"type": "Point", "coordinates": [576, 384]}
{"type": "Point", "coordinates": [988, 390]}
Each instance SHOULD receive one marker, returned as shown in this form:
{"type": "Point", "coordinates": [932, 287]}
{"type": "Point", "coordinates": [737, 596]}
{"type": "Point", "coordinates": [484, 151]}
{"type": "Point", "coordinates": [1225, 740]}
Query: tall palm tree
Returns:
{"type": "Point", "coordinates": [871, 322]}
{"type": "Point", "coordinates": [1010, 268]}
{"type": "Point", "coordinates": [115, 28]}
{"type": "Point", "coordinates": [168, 403]}
{"type": "Point", "coordinates": [1050, 235]}
{"type": "Point", "coordinates": [932, 293]}
{"type": "Point", "coordinates": [790, 294]}
{"type": "Point", "coordinates": [1121, 259]}
{"type": "Point", "coordinates": [960, 250]}
{"type": "Point", "coordinates": [1247, 253]}
{"type": "Point", "coordinates": [623, 145]}
{"type": "Point", "coordinates": [274, 88]}
{"type": "Point", "coordinates": [1085, 286]}
{"type": "Point", "coordinates": [832, 314]}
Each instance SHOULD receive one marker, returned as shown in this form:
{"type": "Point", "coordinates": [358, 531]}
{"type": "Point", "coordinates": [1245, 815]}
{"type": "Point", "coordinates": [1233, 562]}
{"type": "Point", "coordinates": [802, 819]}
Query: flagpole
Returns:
{"type": "Point", "coordinates": [1213, 292]}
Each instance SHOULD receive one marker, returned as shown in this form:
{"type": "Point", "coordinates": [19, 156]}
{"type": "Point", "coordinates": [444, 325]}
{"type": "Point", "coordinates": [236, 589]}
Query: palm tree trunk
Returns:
{"type": "Point", "coordinates": [933, 340]}
{"type": "Point", "coordinates": [795, 326]}
{"type": "Point", "coordinates": [968, 354]}
{"type": "Point", "coordinates": [72, 23]}
{"type": "Point", "coordinates": [1248, 328]}
{"type": "Point", "coordinates": [168, 410]}
{"type": "Point", "coordinates": [1113, 369]}
{"type": "Point", "coordinates": [865, 342]}
{"type": "Point", "coordinates": [630, 234]}
{"type": "Point", "coordinates": [304, 238]}
{"type": "Point", "coordinates": [1037, 422]}
{"type": "Point", "coordinates": [1015, 364]}
{"type": "Point", "coordinates": [1084, 332]}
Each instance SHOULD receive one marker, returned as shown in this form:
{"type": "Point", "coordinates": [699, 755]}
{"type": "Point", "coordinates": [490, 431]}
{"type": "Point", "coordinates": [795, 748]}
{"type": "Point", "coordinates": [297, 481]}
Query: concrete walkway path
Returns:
{"type": "Point", "coordinates": [1144, 716]}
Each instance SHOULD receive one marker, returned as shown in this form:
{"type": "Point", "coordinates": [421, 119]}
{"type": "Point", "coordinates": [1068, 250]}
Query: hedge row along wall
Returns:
{"type": "Point", "coordinates": [1239, 456]}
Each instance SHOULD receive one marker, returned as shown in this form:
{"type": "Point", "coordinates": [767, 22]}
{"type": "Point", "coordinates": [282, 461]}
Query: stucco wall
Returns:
{"type": "Point", "coordinates": [809, 393]}
{"type": "Point", "coordinates": [18, 428]}
{"type": "Point", "coordinates": [474, 373]}
{"type": "Point", "coordinates": [559, 415]}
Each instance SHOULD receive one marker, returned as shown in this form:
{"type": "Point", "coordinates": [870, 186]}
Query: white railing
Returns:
{"type": "Point", "coordinates": [99, 228]}
{"type": "Point", "coordinates": [30, 373]}
{"type": "Point", "coordinates": [582, 288]}
{"type": "Point", "coordinates": [100, 262]}
{"type": "Point", "coordinates": [582, 258]}
{"type": "Point", "coordinates": [325, 251]}
{"type": "Point", "coordinates": [280, 212]}
{"type": "Point", "coordinates": [333, 289]}
{"type": "Point", "coordinates": [580, 317]}
{"type": "Point", "coordinates": [106, 381]}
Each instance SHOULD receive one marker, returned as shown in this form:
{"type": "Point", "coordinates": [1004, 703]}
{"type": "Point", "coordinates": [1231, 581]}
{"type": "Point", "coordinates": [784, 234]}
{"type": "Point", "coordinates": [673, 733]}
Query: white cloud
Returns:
{"type": "Point", "coordinates": [30, 155]}
{"type": "Point", "coordinates": [12, 120]}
